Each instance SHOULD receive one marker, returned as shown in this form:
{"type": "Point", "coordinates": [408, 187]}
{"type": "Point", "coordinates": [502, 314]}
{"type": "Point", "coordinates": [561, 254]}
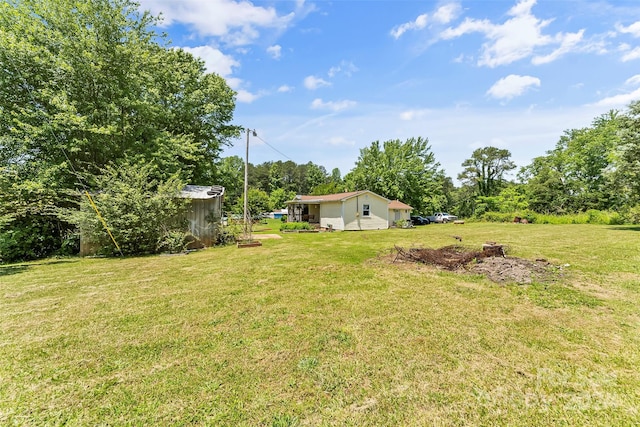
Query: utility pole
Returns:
{"type": "Point", "coordinates": [247, 224]}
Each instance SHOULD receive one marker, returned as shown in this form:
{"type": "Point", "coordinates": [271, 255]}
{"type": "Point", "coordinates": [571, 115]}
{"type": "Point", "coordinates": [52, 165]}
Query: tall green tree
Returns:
{"type": "Point", "coordinates": [626, 158]}
{"type": "Point", "coordinates": [87, 84]}
{"type": "Point", "coordinates": [336, 176]}
{"type": "Point", "coordinates": [545, 185]}
{"type": "Point", "coordinates": [406, 171]}
{"type": "Point", "coordinates": [485, 170]}
{"type": "Point", "coordinates": [315, 175]}
{"type": "Point", "coordinates": [230, 174]}
{"type": "Point", "coordinates": [278, 197]}
{"type": "Point", "coordinates": [576, 175]}
{"type": "Point", "coordinates": [257, 202]}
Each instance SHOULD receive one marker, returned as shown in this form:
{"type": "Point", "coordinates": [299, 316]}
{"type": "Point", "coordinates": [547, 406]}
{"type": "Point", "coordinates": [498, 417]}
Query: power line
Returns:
{"type": "Point", "coordinates": [274, 148]}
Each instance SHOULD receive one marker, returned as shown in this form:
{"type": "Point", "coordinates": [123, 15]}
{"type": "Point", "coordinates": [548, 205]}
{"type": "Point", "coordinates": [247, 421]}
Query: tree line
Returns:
{"type": "Point", "coordinates": [593, 168]}
{"type": "Point", "coordinates": [93, 102]}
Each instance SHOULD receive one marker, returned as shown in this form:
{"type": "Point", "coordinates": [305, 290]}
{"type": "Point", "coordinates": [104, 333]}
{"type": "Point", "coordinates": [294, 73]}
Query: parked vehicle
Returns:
{"type": "Point", "coordinates": [442, 217]}
{"type": "Point", "coordinates": [420, 220]}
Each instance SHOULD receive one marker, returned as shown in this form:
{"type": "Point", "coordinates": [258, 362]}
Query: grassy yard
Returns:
{"type": "Point", "coordinates": [322, 329]}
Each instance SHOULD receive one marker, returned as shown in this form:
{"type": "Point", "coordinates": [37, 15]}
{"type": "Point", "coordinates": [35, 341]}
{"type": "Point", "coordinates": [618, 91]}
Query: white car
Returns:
{"type": "Point", "coordinates": [442, 217]}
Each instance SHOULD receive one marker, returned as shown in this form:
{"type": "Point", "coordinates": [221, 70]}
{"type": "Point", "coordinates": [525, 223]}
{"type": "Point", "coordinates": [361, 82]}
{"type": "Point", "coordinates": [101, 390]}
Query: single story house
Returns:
{"type": "Point", "coordinates": [205, 211]}
{"type": "Point", "coordinates": [355, 210]}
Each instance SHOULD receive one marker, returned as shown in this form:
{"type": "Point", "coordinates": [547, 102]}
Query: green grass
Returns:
{"type": "Point", "coordinates": [321, 329]}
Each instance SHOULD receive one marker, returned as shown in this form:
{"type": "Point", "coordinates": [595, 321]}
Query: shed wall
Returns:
{"type": "Point", "coordinates": [199, 216]}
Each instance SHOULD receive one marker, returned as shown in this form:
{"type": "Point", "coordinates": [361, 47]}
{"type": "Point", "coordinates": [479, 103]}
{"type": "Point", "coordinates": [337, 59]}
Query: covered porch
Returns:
{"type": "Point", "coordinates": [304, 212]}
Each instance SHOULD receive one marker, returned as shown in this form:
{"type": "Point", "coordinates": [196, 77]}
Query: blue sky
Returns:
{"type": "Point", "coordinates": [319, 80]}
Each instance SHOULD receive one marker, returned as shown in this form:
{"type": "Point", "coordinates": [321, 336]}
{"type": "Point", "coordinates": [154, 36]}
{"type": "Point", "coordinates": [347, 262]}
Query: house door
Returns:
{"type": "Point", "coordinates": [397, 215]}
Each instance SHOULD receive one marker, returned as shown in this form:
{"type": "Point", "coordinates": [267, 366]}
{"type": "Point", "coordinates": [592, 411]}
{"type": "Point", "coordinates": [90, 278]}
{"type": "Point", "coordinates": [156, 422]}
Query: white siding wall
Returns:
{"type": "Point", "coordinates": [331, 213]}
{"type": "Point", "coordinates": [403, 214]}
{"type": "Point", "coordinates": [378, 213]}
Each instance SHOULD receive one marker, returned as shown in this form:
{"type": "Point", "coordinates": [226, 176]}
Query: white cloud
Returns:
{"type": "Point", "coordinates": [631, 55]}
{"type": "Point", "coordinates": [633, 29]}
{"type": "Point", "coordinates": [313, 82]}
{"type": "Point", "coordinates": [618, 101]}
{"type": "Point", "coordinates": [236, 23]}
{"type": "Point", "coordinates": [419, 23]}
{"type": "Point", "coordinates": [515, 39]}
{"type": "Point", "coordinates": [512, 85]}
{"type": "Point", "coordinates": [442, 15]}
{"type": "Point", "coordinates": [633, 81]}
{"type": "Point", "coordinates": [567, 44]}
{"type": "Point", "coordinates": [234, 82]}
{"type": "Point", "coordinates": [285, 89]}
{"type": "Point", "coordinates": [522, 8]}
{"type": "Point", "coordinates": [410, 115]}
{"type": "Point", "coordinates": [447, 13]}
{"type": "Point", "coordinates": [345, 67]}
{"type": "Point", "coordinates": [246, 97]}
{"type": "Point", "coordinates": [219, 63]}
{"type": "Point", "coordinates": [623, 99]}
{"type": "Point", "coordinates": [275, 51]}
{"type": "Point", "coordinates": [319, 104]}
{"type": "Point", "coordinates": [214, 60]}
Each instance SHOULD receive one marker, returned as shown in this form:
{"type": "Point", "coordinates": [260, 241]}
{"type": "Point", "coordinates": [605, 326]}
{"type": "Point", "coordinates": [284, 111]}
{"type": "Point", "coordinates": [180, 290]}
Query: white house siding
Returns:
{"type": "Point", "coordinates": [331, 214]}
{"type": "Point", "coordinates": [378, 213]}
{"type": "Point", "coordinates": [398, 214]}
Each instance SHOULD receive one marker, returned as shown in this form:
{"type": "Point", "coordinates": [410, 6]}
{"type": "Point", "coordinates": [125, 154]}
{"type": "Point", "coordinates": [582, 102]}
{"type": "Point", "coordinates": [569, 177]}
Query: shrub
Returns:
{"type": "Point", "coordinates": [143, 214]}
{"type": "Point", "coordinates": [174, 241]}
{"type": "Point", "coordinates": [403, 223]}
{"type": "Point", "coordinates": [291, 226]}
{"type": "Point", "coordinates": [507, 216]}
{"type": "Point", "coordinates": [632, 216]}
{"type": "Point", "coordinates": [592, 216]}
{"type": "Point", "coordinates": [33, 237]}
{"type": "Point", "coordinates": [497, 217]}
{"type": "Point", "coordinates": [229, 233]}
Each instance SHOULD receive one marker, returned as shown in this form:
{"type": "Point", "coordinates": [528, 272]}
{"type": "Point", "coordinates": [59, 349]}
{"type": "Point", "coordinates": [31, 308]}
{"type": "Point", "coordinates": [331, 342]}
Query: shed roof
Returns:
{"type": "Point", "coordinates": [397, 204]}
{"type": "Point", "coordinates": [202, 191]}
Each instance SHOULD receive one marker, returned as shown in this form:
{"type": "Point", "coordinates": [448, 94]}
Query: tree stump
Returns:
{"type": "Point", "coordinates": [492, 250]}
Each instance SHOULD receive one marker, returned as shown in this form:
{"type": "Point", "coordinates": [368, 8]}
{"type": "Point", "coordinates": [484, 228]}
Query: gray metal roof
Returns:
{"type": "Point", "coordinates": [202, 191]}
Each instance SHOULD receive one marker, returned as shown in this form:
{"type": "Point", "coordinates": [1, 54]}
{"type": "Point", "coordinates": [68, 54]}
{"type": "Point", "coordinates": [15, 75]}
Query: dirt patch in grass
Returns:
{"type": "Point", "coordinates": [266, 236]}
{"type": "Point", "coordinates": [516, 270]}
{"type": "Point", "coordinates": [495, 265]}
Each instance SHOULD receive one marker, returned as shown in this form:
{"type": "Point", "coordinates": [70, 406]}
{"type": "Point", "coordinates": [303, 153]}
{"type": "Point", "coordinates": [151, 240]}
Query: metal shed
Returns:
{"type": "Point", "coordinates": [205, 212]}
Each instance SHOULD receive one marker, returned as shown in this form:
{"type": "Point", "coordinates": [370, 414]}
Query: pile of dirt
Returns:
{"type": "Point", "coordinates": [494, 264]}
{"type": "Point", "coordinates": [515, 270]}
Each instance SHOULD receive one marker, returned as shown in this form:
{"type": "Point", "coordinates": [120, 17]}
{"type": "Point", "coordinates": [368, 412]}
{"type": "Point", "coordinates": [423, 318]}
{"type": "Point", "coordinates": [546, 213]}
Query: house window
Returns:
{"type": "Point", "coordinates": [365, 210]}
